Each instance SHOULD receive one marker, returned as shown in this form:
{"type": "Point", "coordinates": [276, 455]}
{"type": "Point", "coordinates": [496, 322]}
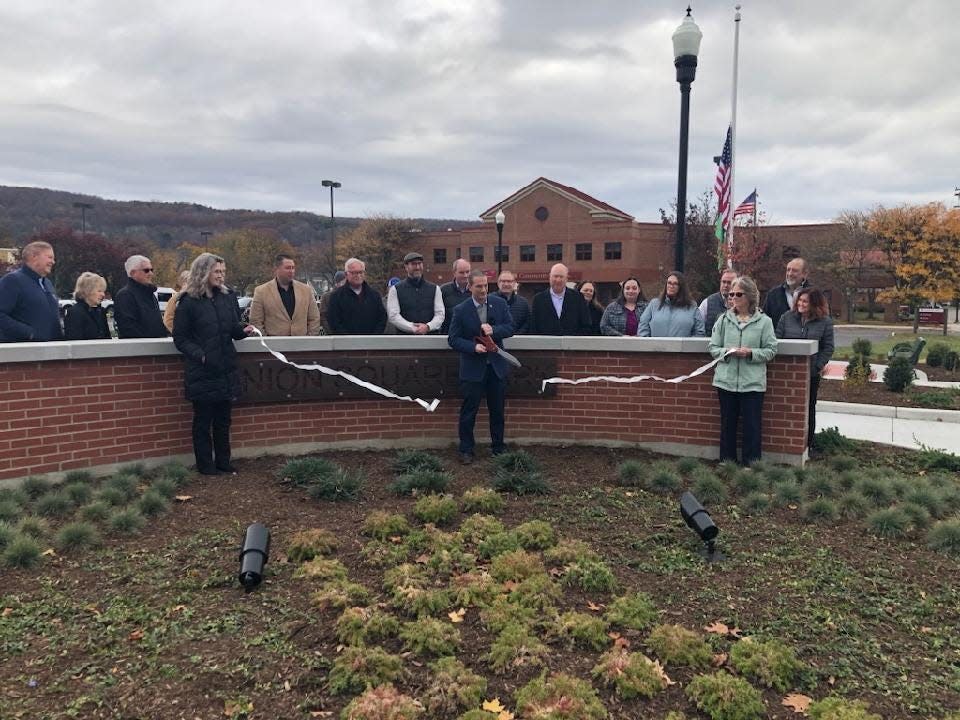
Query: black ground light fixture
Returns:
{"type": "Point", "coordinates": [254, 555]}
{"type": "Point", "coordinates": [699, 520]}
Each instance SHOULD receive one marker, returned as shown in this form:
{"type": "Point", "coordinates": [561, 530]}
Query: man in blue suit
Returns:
{"type": "Point", "coordinates": [482, 372]}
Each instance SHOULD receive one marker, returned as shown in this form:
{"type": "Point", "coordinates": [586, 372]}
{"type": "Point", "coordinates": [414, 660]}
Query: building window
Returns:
{"type": "Point", "coordinates": [439, 256]}
{"type": "Point", "coordinates": [584, 251]}
{"type": "Point", "coordinates": [506, 253]}
{"type": "Point", "coordinates": [476, 254]}
{"type": "Point", "coordinates": [555, 253]}
{"type": "Point", "coordinates": [459, 253]}
{"type": "Point", "coordinates": [790, 252]}
{"type": "Point", "coordinates": [612, 251]}
{"type": "Point", "coordinates": [528, 253]}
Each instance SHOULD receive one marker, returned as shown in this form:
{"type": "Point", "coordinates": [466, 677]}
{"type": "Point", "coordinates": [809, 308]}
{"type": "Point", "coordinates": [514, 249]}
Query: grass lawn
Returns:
{"type": "Point", "coordinates": [881, 348]}
{"type": "Point", "coordinates": [588, 600]}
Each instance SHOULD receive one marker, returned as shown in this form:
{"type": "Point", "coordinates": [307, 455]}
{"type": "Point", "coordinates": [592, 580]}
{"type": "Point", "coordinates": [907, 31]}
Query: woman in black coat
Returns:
{"type": "Point", "coordinates": [204, 328]}
{"type": "Point", "coordinates": [810, 320]}
{"type": "Point", "coordinates": [85, 319]}
{"type": "Point", "coordinates": [588, 290]}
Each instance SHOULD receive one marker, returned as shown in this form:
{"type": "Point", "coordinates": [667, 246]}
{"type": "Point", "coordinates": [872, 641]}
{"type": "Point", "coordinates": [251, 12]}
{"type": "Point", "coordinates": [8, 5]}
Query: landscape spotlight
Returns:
{"type": "Point", "coordinates": [698, 520]}
{"type": "Point", "coordinates": [253, 556]}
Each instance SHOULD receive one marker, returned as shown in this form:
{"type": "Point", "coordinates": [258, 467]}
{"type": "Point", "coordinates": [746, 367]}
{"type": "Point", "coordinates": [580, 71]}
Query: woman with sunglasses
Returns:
{"type": "Point", "coordinates": [744, 339]}
{"type": "Point", "coordinates": [810, 320]}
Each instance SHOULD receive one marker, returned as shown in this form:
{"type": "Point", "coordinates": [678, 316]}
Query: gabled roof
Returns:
{"type": "Point", "coordinates": [597, 208]}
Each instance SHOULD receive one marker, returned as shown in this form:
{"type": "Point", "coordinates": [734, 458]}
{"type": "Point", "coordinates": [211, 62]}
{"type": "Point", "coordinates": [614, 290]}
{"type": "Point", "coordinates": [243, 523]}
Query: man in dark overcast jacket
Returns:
{"type": "Point", "coordinates": [455, 291]}
{"type": "Point", "coordinates": [29, 311]}
{"type": "Point", "coordinates": [136, 310]}
{"type": "Point", "coordinates": [356, 308]}
{"type": "Point", "coordinates": [558, 310]}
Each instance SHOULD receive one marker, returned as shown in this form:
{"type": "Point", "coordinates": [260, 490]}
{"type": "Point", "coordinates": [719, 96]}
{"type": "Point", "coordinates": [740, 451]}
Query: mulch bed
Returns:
{"type": "Point", "coordinates": [878, 394]}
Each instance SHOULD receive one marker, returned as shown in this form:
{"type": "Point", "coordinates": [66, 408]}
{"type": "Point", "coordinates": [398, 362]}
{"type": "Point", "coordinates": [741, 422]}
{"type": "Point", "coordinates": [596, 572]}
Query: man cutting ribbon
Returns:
{"type": "Point", "coordinates": [477, 330]}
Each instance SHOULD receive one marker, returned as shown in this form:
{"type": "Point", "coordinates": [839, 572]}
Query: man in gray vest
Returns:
{"type": "Point", "coordinates": [414, 305]}
{"type": "Point", "coordinates": [716, 305]}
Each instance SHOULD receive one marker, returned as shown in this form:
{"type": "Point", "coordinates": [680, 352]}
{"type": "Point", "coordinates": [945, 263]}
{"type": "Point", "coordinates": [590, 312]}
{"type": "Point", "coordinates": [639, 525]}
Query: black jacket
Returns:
{"type": "Point", "coordinates": [85, 323]}
{"type": "Point", "coordinates": [351, 314]}
{"type": "Point", "coordinates": [775, 304]}
{"type": "Point", "coordinates": [519, 311]}
{"type": "Point", "coordinates": [452, 296]}
{"type": "Point", "coordinates": [204, 329]}
{"type": "Point", "coordinates": [574, 318]}
{"type": "Point", "coordinates": [136, 312]}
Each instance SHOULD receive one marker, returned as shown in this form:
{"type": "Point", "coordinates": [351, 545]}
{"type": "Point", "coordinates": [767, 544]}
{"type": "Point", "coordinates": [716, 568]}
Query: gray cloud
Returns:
{"type": "Point", "coordinates": [440, 108]}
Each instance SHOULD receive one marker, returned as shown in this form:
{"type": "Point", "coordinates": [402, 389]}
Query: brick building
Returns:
{"type": "Point", "coordinates": [547, 222]}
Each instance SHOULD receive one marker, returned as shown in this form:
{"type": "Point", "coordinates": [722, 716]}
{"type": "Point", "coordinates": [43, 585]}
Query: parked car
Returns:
{"type": "Point", "coordinates": [244, 303]}
{"type": "Point", "coordinates": [163, 296]}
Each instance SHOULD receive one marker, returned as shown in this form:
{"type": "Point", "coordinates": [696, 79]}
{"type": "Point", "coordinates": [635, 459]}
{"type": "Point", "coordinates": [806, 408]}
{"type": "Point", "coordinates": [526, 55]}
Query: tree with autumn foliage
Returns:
{"type": "Point", "coordinates": [381, 242]}
{"type": "Point", "coordinates": [249, 255]}
{"type": "Point", "coordinates": [922, 247]}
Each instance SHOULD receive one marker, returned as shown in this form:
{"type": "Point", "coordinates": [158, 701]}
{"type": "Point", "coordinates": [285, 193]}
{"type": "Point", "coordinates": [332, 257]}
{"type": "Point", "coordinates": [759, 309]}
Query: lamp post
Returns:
{"type": "Point", "coordinates": [333, 223]}
{"type": "Point", "coordinates": [84, 206]}
{"type": "Point", "coordinates": [500, 218]}
{"type": "Point", "coordinates": [686, 45]}
{"type": "Point", "coordinates": [205, 237]}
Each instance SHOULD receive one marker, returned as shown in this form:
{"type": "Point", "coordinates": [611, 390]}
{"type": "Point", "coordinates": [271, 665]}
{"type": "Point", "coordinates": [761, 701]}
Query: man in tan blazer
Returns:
{"type": "Point", "coordinates": [285, 306]}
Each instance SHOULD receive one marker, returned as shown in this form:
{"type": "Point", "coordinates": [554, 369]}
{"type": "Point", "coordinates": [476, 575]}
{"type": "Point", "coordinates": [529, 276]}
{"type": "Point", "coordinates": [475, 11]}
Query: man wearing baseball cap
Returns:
{"type": "Point", "coordinates": [415, 305]}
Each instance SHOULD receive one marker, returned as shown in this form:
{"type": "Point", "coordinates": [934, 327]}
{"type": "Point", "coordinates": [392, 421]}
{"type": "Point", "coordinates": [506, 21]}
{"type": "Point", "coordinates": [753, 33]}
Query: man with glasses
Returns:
{"type": "Point", "coordinates": [29, 311]}
{"type": "Point", "coordinates": [136, 310]}
{"type": "Point", "coordinates": [356, 308]}
{"type": "Point", "coordinates": [284, 306]}
{"type": "Point", "coordinates": [717, 304]}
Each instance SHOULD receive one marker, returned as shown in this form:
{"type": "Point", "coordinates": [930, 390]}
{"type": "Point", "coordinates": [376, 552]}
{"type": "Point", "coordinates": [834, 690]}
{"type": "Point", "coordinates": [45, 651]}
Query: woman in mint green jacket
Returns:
{"type": "Point", "coordinates": [741, 376]}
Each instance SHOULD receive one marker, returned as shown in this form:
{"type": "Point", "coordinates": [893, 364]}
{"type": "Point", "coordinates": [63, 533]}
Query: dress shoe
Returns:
{"type": "Point", "coordinates": [208, 471]}
{"type": "Point", "coordinates": [229, 469]}
{"type": "Point", "coordinates": [466, 458]}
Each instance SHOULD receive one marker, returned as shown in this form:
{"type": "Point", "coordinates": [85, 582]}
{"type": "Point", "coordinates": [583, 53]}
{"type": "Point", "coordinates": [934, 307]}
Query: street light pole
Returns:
{"type": "Point", "coordinates": [686, 45]}
{"type": "Point", "coordinates": [333, 222]}
{"type": "Point", "coordinates": [84, 206]}
{"type": "Point", "coordinates": [205, 237]}
{"type": "Point", "coordinates": [500, 218]}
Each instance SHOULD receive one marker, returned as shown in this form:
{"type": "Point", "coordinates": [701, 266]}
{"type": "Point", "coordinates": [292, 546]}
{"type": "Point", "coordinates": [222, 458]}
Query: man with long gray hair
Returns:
{"type": "Point", "coordinates": [136, 310]}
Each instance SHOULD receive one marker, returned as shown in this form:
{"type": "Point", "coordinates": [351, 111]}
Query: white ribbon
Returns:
{"type": "Point", "coordinates": [428, 406]}
{"type": "Point", "coordinates": [635, 378]}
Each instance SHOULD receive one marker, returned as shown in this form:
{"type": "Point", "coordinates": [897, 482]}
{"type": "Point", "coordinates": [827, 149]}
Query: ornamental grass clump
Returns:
{"type": "Point", "coordinates": [54, 504]}
{"type": "Point", "coordinates": [755, 503]}
{"type": "Point", "coordinates": [95, 512]}
{"type": "Point", "coordinates": [631, 674]}
{"type": "Point", "coordinates": [830, 441]}
{"type": "Point", "coordinates": [821, 510]}
{"type": "Point", "coordinates": [925, 496]}
{"type": "Point", "coordinates": [322, 569]}
{"type": "Point", "coordinates": [10, 511]}
{"type": "Point", "coordinates": [152, 503]}
{"type": "Point", "coordinates": [307, 544]}
{"type": "Point", "coordinates": [127, 521]}
{"type": "Point", "coordinates": [631, 473]}
{"type": "Point", "coordinates": [358, 667]}
{"type": "Point", "coordinates": [877, 490]}
{"type": "Point", "coordinates": [835, 708]}
{"type": "Point", "coordinates": [340, 486]}
{"type": "Point", "coordinates": [559, 697]}
{"type": "Point", "coordinates": [709, 489]}
{"type": "Point", "coordinates": [34, 487]}
{"type": "Point", "coordinates": [453, 687]}
{"type": "Point", "coordinates": [918, 515]}
{"type": "Point", "coordinates": [409, 460]}
{"type": "Point", "coordinates": [436, 509]}
{"type": "Point", "coordinates": [676, 645]}
{"type": "Point", "coordinates": [78, 492]}
{"type": "Point", "coordinates": [820, 484]}
{"type": "Point", "coordinates": [361, 625]}
{"type": "Point", "coordinates": [576, 629]}
{"type": "Point", "coordinates": [769, 663]}
{"type": "Point", "coordinates": [636, 611]}
{"type": "Point", "coordinates": [519, 472]}
{"type": "Point", "coordinates": [7, 533]}
{"type": "Point", "coordinates": [421, 480]}
{"type": "Point", "coordinates": [516, 565]}
{"type": "Point", "coordinates": [339, 594]}
{"type": "Point", "coordinates": [304, 472]}
{"type": "Point", "coordinates": [382, 525]}
{"type": "Point", "coordinates": [515, 646]}
{"type": "Point", "coordinates": [111, 496]}
{"type": "Point", "coordinates": [383, 702]}
{"type": "Point", "coordinates": [35, 527]}
{"type": "Point", "coordinates": [536, 535]}
{"type": "Point", "coordinates": [77, 536]}
{"type": "Point", "coordinates": [749, 481]}
{"type": "Point", "coordinates": [22, 551]}
{"type": "Point", "coordinates": [852, 505]}
{"type": "Point", "coordinates": [478, 499]}
{"type": "Point", "coordinates": [722, 696]}
{"type": "Point", "coordinates": [81, 476]}
{"type": "Point", "coordinates": [430, 637]}
{"type": "Point", "coordinates": [787, 493]}
{"type": "Point", "coordinates": [663, 477]}
{"type": "Point", "coordinates": [173, 471]}
{"type": "Point", "coordinates": [944, 537]}
{"type": "Point", "coordinates": [125, 483]}
{"type": "Point", "coordinates": [888, 523]}
{"type": "Point", "coordinates": [164, 486]}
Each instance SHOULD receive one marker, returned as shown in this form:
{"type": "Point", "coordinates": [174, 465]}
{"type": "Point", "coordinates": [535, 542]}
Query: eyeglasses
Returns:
{"type": "Point", "coordinates": [146, 270]}
{"type": "Point", "coordinates": [356, 272]}
{"type": "Point", "coordinates": [736, 294]}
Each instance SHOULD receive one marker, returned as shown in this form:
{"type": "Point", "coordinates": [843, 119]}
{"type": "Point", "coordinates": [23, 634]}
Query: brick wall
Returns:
{"type": "Point", "coordinates": [60, 415]}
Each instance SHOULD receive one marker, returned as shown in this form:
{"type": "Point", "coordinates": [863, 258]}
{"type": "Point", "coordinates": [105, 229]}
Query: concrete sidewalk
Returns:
{"type": "Point", "coordinates": [903, 427]}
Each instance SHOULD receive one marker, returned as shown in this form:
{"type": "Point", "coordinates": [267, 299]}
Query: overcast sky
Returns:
{"type": "Point", "coordinates": [441, 108]}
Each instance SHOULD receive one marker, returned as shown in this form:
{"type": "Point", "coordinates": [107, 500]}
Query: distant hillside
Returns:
{"type": "Point", "coordinates": [25, 210]}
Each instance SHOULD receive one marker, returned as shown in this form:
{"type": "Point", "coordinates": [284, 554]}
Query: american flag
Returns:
{"type": "Point", "coordinates": [721, 185]}
{"type": "Point", "coordinates": [748, 206]}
